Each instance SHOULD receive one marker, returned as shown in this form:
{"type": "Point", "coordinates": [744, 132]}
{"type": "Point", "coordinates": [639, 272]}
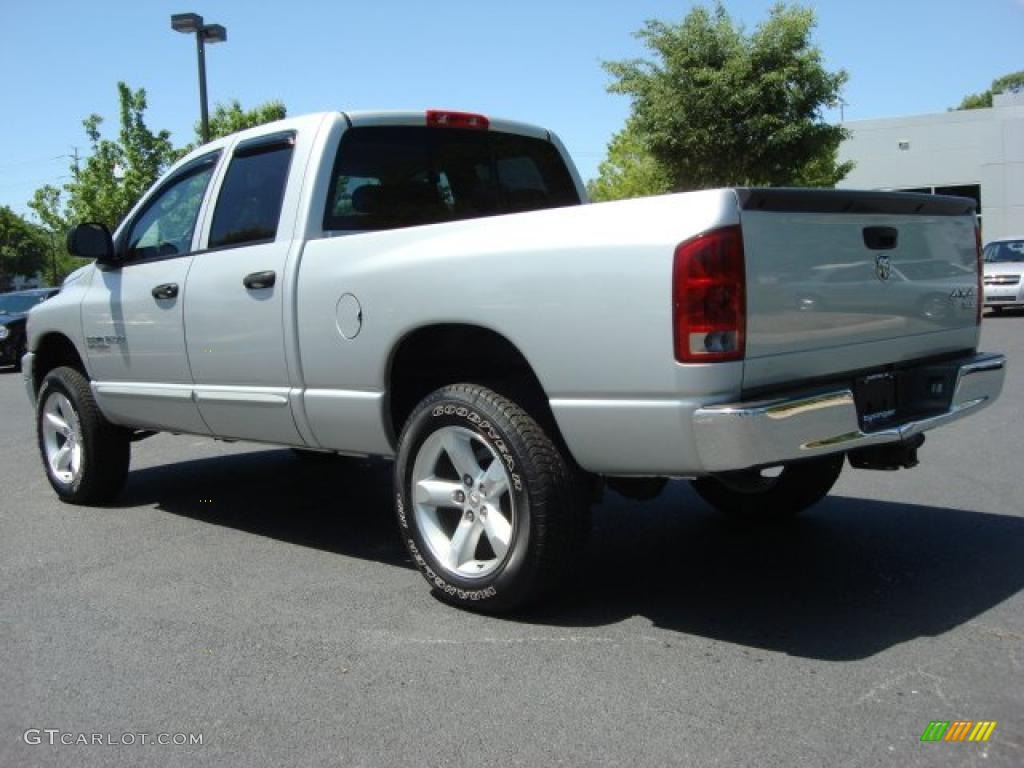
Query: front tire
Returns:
{"type": "Point", "coordinates": [755, 495]}
{"type": "Point", "coordinates": [486, 502]}
{"type": "Point", "coordinates": [85, 456]}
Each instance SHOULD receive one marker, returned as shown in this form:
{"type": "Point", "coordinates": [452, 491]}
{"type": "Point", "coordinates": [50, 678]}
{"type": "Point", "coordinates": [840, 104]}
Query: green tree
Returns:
{"type": "Point", "coordinates": [115, 174]}
{"type": "Point", "coordinates": [105, 186]}
{"type": "Point", "coordinates": [1011, 83]}
{"type": "Point", "coordinates": [628, 171]}
{"type": "Point", "coordinates": [23, 248]}
{"type": "Point", "coordinates": [719, 107]}
{"type": "Point", "coordinates": [231, 118]}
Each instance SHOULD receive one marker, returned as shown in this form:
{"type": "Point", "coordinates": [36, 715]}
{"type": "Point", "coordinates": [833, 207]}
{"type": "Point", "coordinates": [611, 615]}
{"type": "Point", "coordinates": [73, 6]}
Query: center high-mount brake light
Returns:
{"type": "Point", "coordinates": [439, 118]}
{"type": "Point", "coordinates": [709, 309]}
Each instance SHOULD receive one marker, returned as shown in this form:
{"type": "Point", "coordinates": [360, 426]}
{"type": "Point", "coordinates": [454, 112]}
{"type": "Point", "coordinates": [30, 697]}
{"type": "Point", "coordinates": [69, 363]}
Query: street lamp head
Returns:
{"type": "Point", "coordinates": [186, 22]}
{"type": "Point", "coordinates": [214, 33]}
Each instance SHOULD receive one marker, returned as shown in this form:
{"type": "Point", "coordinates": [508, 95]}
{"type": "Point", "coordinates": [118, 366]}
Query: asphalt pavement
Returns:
{"type": "Point", "coordinates": [265, 605]}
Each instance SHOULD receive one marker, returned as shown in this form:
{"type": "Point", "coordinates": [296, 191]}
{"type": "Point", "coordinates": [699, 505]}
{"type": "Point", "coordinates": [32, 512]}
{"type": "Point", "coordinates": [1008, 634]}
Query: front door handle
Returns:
{"type": "Point", "coordinates": [256, 280]}
{"type": "Point", "coordinates": [166, 291]}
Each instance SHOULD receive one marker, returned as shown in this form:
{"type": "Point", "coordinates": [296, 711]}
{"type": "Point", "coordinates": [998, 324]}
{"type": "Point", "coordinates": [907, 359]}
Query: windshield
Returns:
{"type": "Point", "coordinates": [1008, 250]}
{"type": "Point", "coordinates": [17, 303]}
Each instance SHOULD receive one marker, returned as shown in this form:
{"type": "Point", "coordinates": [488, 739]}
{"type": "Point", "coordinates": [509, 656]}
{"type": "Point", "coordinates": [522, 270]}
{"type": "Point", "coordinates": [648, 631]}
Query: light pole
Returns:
{"type": "Point", "coordinates": [205, 33]}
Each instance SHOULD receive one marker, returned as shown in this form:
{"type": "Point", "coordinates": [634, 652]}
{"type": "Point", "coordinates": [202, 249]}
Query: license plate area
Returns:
{"type": "Point", "coordinates": [876, 400]}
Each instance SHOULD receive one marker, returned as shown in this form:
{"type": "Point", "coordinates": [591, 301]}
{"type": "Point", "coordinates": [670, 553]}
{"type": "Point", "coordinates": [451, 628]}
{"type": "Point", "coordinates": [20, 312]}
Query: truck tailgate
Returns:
{"type": "Point", "coordinates": [841, 281]}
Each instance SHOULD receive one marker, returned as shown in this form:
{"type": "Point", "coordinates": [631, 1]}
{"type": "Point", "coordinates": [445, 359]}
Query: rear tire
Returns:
{"type": "Point", "coordinates": [85, 456]}
{"type": "Point", "coordinates": [751, 495]}
{"type": "Point", "coordinates": [487, 504]}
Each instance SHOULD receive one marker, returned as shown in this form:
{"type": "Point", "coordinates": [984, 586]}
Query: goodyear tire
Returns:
{"type": "Point", "coordinates": [759, 496]}
{"type": "Point", "coordinates": [85, 456]}
{"type": "Point", "coordinates": [486, 503]}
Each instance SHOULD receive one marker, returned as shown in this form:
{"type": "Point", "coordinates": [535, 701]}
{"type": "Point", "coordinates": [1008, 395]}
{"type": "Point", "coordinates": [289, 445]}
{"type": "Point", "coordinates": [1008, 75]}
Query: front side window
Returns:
{"type": "Point", "coordinates": [401, 176]}
{"type": "Point", "coordinates": [249, 203]}
{"type": "Point", "coordinates": [168, 221]}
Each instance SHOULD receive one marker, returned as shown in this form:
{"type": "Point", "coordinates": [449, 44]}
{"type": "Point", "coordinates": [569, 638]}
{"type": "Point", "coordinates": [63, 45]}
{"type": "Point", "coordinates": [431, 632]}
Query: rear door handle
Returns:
{"type": "Point", "coordinates": [256, 280]}
{"type": "Point", "coordinates": [166, 291]}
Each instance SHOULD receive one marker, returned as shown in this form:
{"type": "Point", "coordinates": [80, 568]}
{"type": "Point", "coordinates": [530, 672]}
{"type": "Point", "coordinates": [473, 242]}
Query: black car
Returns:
{"type": "Point", "coordinates": [14, 309]}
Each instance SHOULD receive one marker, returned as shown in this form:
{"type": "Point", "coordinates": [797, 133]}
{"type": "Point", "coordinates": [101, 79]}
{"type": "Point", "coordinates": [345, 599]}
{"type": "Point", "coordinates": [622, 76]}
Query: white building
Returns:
{"type": "Point", "coordinates": [976, 153]}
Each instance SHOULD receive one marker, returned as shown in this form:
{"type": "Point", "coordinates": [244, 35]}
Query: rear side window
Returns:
{"type": "Point", "coordinates": [249, 204]}
{"type": "Point", "coordinates": [397, 176]}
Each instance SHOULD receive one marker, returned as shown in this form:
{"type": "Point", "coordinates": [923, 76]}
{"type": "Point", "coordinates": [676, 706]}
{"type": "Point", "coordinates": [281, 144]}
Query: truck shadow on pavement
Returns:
{"type": "Point", "coordinates": [846, 581]}
{"type": "Point", "coordinates": [333, 504]}
{"type": "Point", "coordinates": [850, 579]}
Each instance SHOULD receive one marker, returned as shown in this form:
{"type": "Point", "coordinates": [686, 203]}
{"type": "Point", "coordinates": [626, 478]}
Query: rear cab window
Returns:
{"type": "Point", "coordinates": [387, 177]}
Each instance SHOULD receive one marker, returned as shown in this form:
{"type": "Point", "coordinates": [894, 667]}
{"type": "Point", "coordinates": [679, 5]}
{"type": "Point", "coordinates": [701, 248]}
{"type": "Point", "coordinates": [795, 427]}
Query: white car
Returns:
{"type": "Point", "coordinates": [1004, 266]}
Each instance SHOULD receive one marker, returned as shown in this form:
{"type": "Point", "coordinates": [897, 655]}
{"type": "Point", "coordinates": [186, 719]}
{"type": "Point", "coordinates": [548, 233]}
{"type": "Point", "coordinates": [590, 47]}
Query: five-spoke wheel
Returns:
{"type": "Point", "coordinates": [462, 501]}
{"type": "Point", "coordinates": [487, 504]}
{"type": "Point", "coordinates": [61, 438]}
{"type": "Point", "coordinates": [85, 456]}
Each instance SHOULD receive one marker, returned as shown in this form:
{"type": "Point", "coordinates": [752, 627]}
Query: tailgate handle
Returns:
{"type": "Point", "coordinates": [881, 238]}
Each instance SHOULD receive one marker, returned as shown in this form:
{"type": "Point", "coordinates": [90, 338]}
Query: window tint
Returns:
{"type": "Point", "coordinates": [166, 225]}
{"type": "Point", "coordinates": [531, 174]}
{"type": "Point", "coordinates": [1012, 250]}
{"type": "Point", "coordinates": [388, 177]}
{"type": "Point", "coordinates": [249, 203]}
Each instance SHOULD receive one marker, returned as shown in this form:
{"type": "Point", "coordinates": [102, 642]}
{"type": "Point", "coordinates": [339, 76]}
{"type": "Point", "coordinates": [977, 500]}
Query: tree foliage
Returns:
{"type": "Point", "coordinates": [629, 170]}
{"type": "Point", "coordinates": [23, 248]}
{"type": "Point", "coordinates": [1011, 83]}
{"type": "Point", "coordinates": [231, 118]}
{"type": "Point", "coordinates": [115, 173]}
{"type": "Point", "coordinates": [715, 106]}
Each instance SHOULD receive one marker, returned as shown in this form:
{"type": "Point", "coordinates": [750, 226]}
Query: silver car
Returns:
{"type": "Point", "coordinates": [1004, 267]}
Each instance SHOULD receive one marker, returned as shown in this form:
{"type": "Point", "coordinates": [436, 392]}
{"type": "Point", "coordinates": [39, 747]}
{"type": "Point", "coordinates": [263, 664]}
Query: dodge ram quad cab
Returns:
{"type": "Point", "coordinates": [430, 286]}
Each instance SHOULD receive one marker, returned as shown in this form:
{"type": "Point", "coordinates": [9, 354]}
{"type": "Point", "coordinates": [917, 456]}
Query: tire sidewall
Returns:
{"type": "Point", "coordinates": [511, 578]}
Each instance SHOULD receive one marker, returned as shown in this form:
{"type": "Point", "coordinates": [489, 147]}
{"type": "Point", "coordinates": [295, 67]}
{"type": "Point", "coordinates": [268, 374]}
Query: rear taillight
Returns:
{"type": "Point", "coordinates": [981, 273]}
{"type": "Point", "coordinates": [438, 118]}
{"type": "Point", "coordinates": [709, 312]}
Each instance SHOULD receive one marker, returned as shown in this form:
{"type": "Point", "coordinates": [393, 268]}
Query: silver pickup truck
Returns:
{"type": "Point", "coordinates": [431, 287]}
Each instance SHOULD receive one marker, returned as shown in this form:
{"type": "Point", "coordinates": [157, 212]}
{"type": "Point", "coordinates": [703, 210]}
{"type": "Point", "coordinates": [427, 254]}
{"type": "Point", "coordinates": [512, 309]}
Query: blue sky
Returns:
{"type": "Point", "coordinates": [534, 60]}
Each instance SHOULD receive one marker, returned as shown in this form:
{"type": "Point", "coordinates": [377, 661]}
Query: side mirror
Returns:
{"type": "Point", "coordinates": [91, 241]}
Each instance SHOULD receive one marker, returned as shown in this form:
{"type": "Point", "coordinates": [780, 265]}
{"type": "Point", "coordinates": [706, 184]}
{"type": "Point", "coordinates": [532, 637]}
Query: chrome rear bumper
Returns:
{"type": "Point", "coordinates": [772, 431]}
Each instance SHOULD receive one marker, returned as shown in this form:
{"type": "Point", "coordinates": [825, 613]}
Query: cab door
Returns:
{"type": "Point", "coordinates": [132, 313]}
{"type": "Point", "coordinates": [234, 310]}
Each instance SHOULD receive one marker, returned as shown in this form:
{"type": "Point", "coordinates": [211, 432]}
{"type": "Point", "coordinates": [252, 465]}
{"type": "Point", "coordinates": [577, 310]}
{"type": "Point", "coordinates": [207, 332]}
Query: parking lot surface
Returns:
{"type": "Point", "coordinates": [266, 603]}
